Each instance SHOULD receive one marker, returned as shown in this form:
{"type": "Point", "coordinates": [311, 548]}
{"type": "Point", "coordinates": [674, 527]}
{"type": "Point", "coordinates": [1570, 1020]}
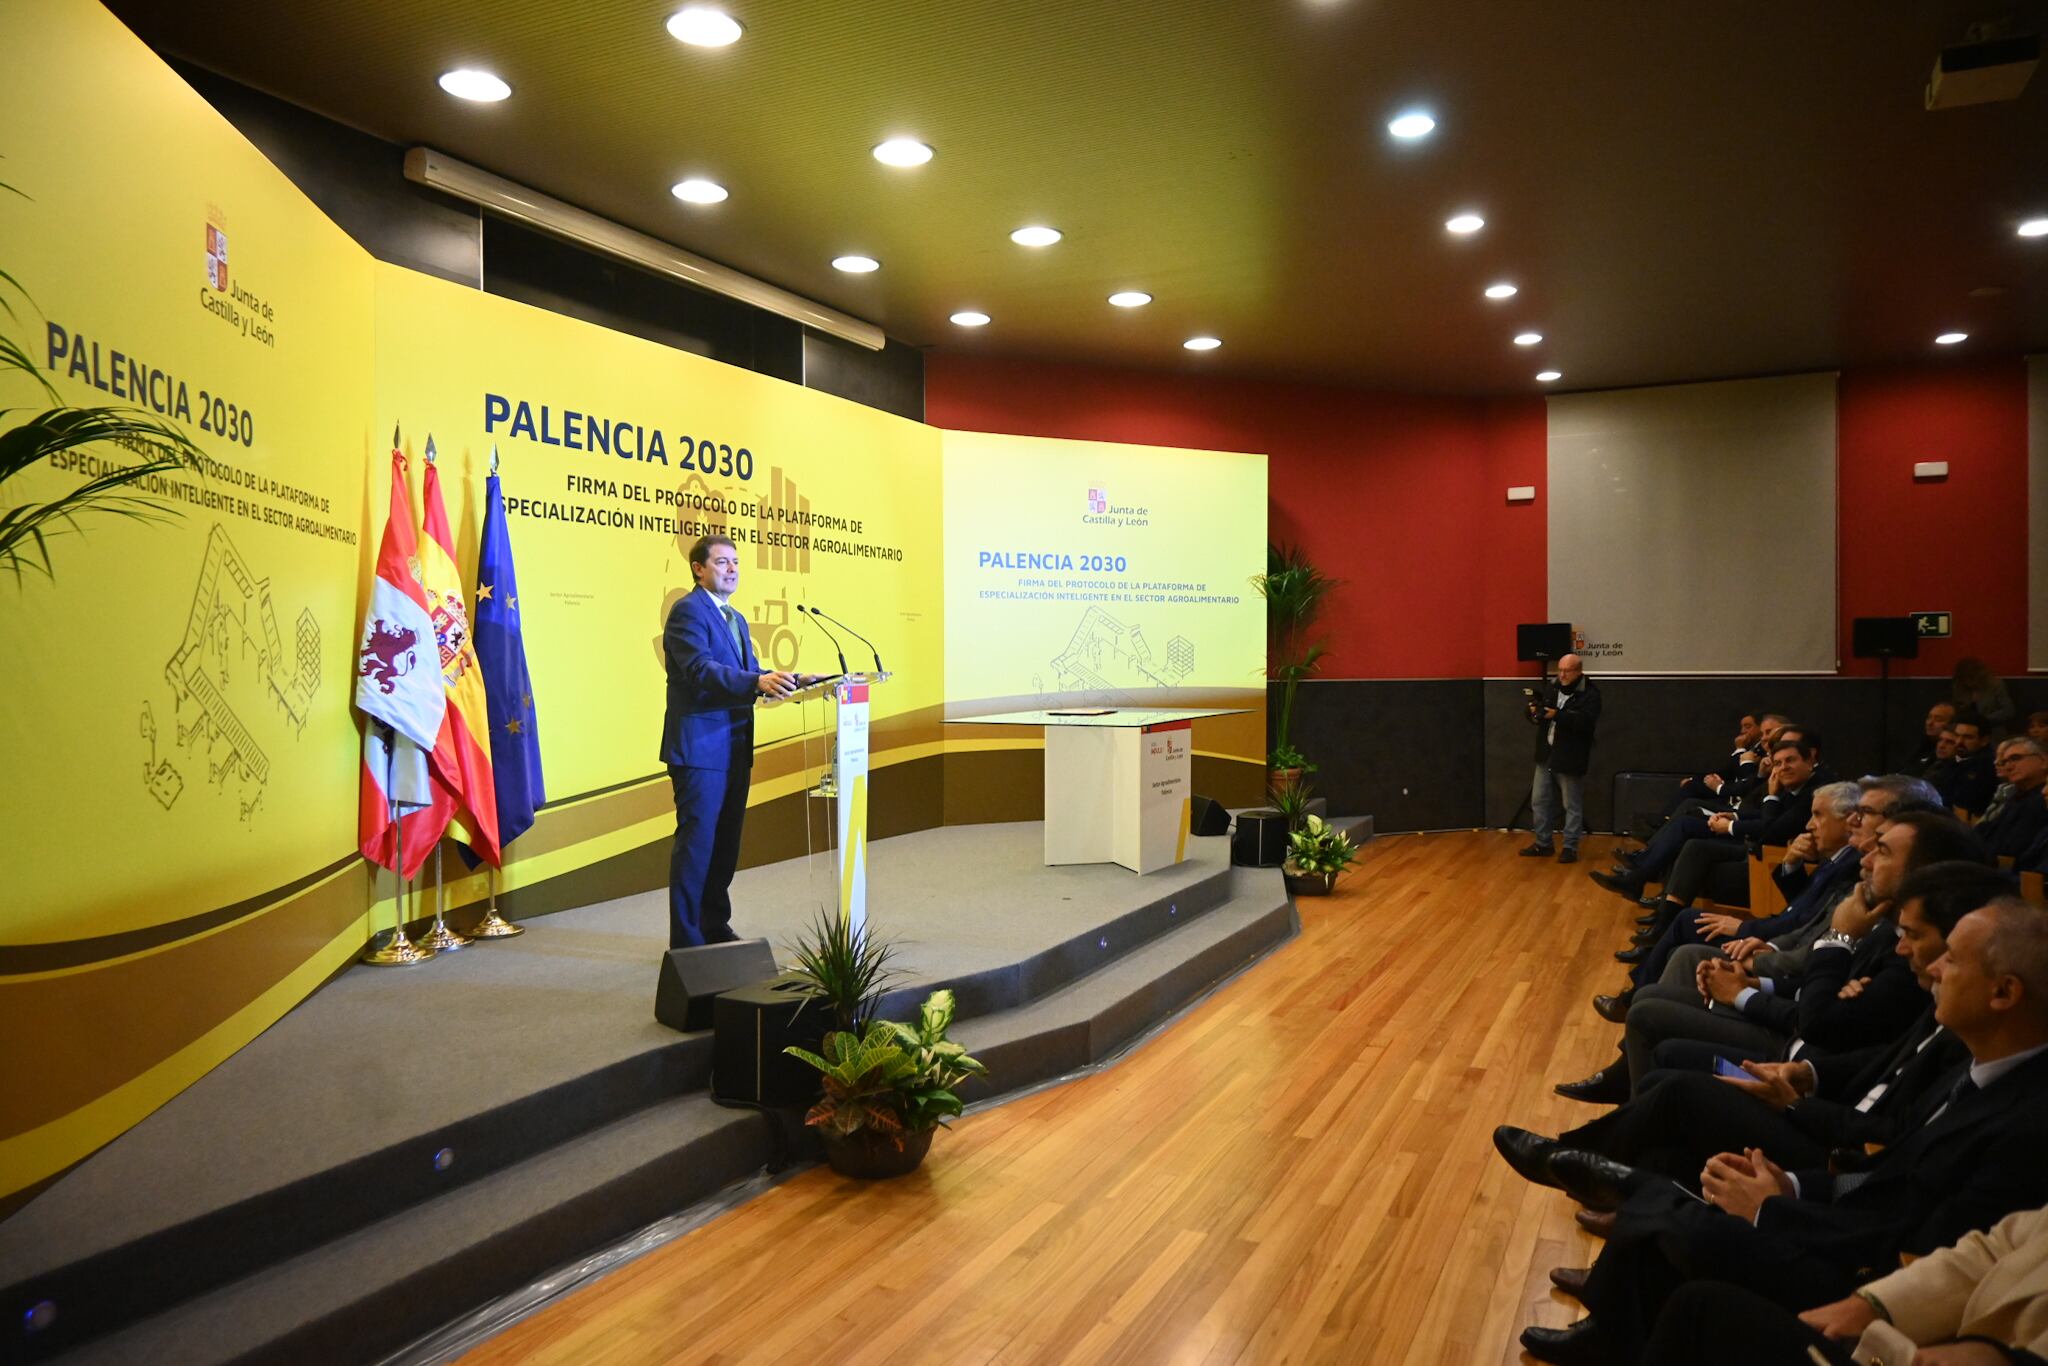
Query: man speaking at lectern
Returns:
{"type": "Point", "coordinates": [707, 741]}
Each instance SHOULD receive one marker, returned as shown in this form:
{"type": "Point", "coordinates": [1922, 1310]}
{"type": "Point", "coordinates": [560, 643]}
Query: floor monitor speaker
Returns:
{"type": "Point", "coordinates": [751, 1025]}
{"type": "Point", "coordinates": [1208, 817]}
{"type": "Point", "coordinates": [692, 978]}
{"type": "Point", "coordinates": [1260, 840]}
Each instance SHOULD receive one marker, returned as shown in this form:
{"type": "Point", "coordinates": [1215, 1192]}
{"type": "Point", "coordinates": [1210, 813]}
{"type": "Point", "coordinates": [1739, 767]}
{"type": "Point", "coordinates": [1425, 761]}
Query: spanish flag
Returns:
{"type": "Point", "coordinates": [462, 752]}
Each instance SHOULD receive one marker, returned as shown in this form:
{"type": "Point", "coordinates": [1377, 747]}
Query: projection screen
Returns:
{"type": "Point", "coordinates": [1692, 527]}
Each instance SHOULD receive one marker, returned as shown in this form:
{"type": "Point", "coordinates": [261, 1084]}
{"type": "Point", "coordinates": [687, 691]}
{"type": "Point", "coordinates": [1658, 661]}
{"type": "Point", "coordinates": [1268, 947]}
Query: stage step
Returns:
{"type": "Point", "coordinates": [371, 1290]}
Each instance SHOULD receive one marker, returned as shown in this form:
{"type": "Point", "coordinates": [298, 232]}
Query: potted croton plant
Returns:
{"type": "Point", "coordinates": [888, 1087]}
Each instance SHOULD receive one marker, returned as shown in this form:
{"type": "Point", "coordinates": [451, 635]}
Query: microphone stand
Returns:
{"type": "Point", "coordinates": [857, 636]}
{"type": "Point", "coordinates": [814, 612]}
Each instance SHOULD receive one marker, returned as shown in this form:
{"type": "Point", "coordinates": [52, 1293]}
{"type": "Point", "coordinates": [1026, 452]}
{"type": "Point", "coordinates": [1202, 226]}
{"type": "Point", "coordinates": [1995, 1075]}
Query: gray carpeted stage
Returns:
{"type": "Point", "coordinates": [408, 1143]}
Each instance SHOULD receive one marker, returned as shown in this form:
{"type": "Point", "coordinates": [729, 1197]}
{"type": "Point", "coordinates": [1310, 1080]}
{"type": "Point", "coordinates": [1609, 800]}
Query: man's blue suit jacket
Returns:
{"type": "Point", "coordinates": [709, 720]}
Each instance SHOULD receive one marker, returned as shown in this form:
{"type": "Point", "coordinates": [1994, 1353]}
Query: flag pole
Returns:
{"type": "Point", "coordinates": [398, 951]}
{"type": "Point", "coordinates": [493, 925]}
{"type": "Point", "coordinates": [441, 939]}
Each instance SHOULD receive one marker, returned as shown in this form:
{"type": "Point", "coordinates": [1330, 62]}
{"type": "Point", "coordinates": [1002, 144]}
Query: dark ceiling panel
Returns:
{"type": "Point", "coordinates": [1682, 191]}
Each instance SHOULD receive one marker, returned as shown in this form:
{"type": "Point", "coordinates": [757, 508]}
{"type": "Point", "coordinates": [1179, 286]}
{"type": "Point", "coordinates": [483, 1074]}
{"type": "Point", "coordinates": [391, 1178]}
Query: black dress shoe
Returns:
{"type": "Point", "coordinates": [1578, 1345]}
{"type": "Point", "coordinates": [1646, 936]}
{"type": "Point", "coordinates": [1634, 955]}
{"type": "Point", "coordinates": [1598, 1183]}
{"type": "Point", "coordinates": [1608, 1086]}
{"type": "Point", "coordinates": [1528, 1153]}
{"type": "Point", "coordinates": [1594, 1222]}
{"type": "Point", "coordinates": [1615, 881]}
{"type": "Point", "coordinates": [1536, 851]}
{"type": "Point", "coordinates": [1647, 920]}
{"type": "Point", "coordinates": [1568, 856]}
{"type": "Point", "coordinates": [1614, 1009]}
{"type": "Point", "coordinates": [1571, 1279]}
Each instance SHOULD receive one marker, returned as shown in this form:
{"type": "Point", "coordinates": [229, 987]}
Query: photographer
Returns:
{"type": "Point", "coordinates": [1564, 714]}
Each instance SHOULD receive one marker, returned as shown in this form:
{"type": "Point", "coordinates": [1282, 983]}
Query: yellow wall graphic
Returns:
{"type": "Point", "coordinates": [181, 752]}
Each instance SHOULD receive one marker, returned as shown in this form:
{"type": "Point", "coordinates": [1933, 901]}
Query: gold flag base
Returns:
{"type": "Point", "coordinates": [441, 939]}
{"type": "Point", "coordinates": [398, 952]}
{"type": "Point", "coordinates": [495, 926]}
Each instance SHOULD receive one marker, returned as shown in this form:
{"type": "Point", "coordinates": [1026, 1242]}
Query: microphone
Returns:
{"type": "Point", "coordinates": [857, 636]}
{"type": "Point", "coordinates": [828, 635]}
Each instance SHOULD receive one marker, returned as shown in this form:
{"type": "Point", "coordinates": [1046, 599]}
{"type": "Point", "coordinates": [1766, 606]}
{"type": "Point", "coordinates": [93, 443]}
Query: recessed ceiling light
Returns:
{"type": "Point", "coordinates": [1035, 236]}
{"type": "Point", "coordinates": [1411, 125]}
{"type": "Point", "coordinates": [855, 265]}
{"type": "Point", "coordinates": [2034, 227]}
{"type": "Point", "coordinates": [1130, 298]}
{"type": "Point", "coordinates": [467, 83]}
{"type": "Point", "coordinates": [902, 152]}
{"type": "Point", "coordinates": [1464, 224]}
{"type": "Point", "coordinates": [704, 26]}
{"type": "Point", "coordinates": [698, 191]}
{"type": "Point", "coordinates": [1202, 343]}
{"type": "Point", "coordinates": [1546, 376]}
{"type": "Point", "coordinates": [969, 318]}
{"type": "Point", "coordinates": [1951, 338]}
{"type": "Point", "coordinates": [1528, 338]}
{"type": "Point", "coordinates": [1503, 290]}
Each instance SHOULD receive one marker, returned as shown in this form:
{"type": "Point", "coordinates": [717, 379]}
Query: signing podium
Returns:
{"type": "Point", "coordinates": [1118, 782]}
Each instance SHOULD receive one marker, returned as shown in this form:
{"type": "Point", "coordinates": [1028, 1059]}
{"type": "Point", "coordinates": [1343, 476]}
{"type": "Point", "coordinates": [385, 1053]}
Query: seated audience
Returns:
{"type": "Point", "coordinates": [1983, 1301]}
{"type": "Point", "coordinates": [1943, 772]}
{"type": "Point", "coordinates": [2016, 814]}
{"type": "Point", "coordinates": [1938, 718]}
{"type": "Point", "coordinates": [1799, 1111]}
{"type": "Point", "coordinates": [2037, 727]}
{"type": "Point", "coordinates": [1824, 842]}
{"type": "Point", "coordinates": [1750, 746]}
{"type": "Point", "coordinates": [1772, 812]}
{"type": "Point", "coordinates": [1745, 1011]}
{"type": "Point", "coordinates": [1965, 1156]}
{"type": "Point", "coordinates": [1975, 778]}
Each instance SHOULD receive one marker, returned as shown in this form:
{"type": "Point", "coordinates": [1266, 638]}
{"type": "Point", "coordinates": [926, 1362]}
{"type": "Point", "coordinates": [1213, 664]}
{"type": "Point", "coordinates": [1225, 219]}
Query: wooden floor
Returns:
{"type": "Point", "coordinates": [1300, 1170]}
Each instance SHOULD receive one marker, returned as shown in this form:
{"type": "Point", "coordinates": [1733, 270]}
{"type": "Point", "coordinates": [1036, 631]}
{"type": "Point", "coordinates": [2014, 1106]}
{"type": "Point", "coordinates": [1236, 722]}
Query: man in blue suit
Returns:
{"type": "Point", "coordinates": [707, 741]}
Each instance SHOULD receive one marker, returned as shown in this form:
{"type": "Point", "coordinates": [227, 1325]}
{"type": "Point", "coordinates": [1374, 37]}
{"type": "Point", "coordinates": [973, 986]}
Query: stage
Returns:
{"type": "Point", "coordinates": [409, 1143]}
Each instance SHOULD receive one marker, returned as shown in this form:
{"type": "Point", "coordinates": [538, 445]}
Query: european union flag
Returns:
{"type": "Point", "coordinates": [508, 691]}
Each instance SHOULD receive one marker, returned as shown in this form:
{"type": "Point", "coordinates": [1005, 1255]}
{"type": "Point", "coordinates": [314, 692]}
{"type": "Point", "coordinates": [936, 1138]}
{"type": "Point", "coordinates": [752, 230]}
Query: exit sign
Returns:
{"type": "Point", "coordinates": [1933, 625]}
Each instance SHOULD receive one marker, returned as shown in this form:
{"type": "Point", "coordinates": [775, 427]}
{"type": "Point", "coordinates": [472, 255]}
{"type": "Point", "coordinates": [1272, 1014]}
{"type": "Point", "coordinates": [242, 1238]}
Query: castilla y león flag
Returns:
{"type": "Point", "coordinates": [397, 687]}
{"type": "Point", "coordinates": [462, 750]}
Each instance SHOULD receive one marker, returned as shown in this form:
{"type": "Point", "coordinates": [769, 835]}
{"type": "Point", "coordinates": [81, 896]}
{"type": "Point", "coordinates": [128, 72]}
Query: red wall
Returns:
{"type": "Point", "coordinates": [1405, 497]}
{"type": "Point", "coordinates": [1958, 545]}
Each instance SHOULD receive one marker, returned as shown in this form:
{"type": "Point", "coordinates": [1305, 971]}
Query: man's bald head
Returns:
{"type": "Point", "coordinates": [1569, 668]}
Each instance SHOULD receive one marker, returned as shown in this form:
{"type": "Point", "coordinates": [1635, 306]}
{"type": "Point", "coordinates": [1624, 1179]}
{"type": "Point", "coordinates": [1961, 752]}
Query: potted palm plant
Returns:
{"type": "Point", "coordinates": [887, 1090]}
{"type": "Point", "coordinates": [846, 967]}
{"type": "Point", "coordinates": [1294, 589]}
{"type": "Point", "coordinates": [30, 435]}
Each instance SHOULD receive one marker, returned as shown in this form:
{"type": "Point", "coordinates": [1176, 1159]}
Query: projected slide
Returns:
{"type": "Point", "coordinates": [1088, 573]}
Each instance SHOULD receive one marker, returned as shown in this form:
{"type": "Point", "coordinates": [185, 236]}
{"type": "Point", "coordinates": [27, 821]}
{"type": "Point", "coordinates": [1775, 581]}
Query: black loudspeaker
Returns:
{"type": "Point", "coordinates": [1543, 640]}
{"type": "Point", "coordinates": [751, 1025]}
{"type": "Point", "coordinates": [691, 979]}
{"type": "Point", "coordinates": [1260, 840]}
{"type": "Point", "coordinates": [1885, 638]}
{"type": "Point", "coordinates": [1208, 817]}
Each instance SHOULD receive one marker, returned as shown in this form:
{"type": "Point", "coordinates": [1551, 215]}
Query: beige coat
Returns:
{"type": "Point", "coordinates": [1992, 1284]}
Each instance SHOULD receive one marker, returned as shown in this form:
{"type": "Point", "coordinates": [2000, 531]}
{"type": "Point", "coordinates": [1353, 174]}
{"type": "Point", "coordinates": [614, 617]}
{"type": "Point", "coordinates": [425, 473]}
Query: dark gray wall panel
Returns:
{"type": "Point", "coordinates": [1408, 752]}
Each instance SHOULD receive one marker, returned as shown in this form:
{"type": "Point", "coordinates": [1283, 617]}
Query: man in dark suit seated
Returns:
{"type": "Point", "coordinates": [1976, 775]}
{"type": "Point", "coordinates": [2017, 814]}
{"type": "Point", "coordinates": [1799, 1111]}
{"type": "Point", "coordinates": [1942, 772]}
{"type": "Point", "coordinates": [707, 741]}
{"type": "Point", "coordinates": [1969, 1155]}
{"type": "Point", "coordinates": [1751, 744]}
{"type": "Point", "coordinates": [1938, 718]}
